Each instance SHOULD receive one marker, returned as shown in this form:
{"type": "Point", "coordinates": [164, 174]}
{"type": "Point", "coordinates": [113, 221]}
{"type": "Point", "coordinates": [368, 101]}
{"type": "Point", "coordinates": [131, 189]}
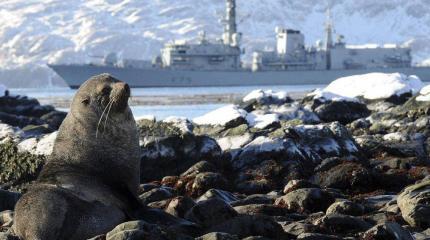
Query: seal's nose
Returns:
{"type": "Point", "coordinates": [123, 89]}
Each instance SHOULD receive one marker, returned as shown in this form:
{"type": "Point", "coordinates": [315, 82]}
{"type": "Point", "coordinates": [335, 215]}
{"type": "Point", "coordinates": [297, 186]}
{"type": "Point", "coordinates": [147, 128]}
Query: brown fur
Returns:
{"type": "Point", "coordinates": [89, 184]}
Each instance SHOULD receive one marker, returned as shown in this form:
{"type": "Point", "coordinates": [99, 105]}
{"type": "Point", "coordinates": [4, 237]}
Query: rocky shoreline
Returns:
{"type": "Point", "coordinates": [270, 167]}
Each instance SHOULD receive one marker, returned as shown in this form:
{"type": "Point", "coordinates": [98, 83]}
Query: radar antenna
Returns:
{"type": "Point", "coordinates": [328, 37]}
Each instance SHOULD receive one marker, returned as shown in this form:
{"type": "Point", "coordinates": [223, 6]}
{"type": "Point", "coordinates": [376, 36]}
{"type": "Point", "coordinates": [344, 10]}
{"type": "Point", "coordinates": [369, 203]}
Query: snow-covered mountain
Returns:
{"type": "Point", "coordinates": [36, 32]}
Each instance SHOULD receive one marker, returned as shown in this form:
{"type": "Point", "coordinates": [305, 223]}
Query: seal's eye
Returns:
{"type": "Point", "coordinates": [106, 90]}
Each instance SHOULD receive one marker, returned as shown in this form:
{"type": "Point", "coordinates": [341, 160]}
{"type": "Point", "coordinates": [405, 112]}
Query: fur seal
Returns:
{"type": "Point", "coordinates": [89, 183]}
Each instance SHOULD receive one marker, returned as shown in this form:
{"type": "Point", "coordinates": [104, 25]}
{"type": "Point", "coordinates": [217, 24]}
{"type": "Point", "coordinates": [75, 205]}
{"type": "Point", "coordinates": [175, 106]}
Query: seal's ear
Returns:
{"type": "Point", "coordinates": [85, 100]}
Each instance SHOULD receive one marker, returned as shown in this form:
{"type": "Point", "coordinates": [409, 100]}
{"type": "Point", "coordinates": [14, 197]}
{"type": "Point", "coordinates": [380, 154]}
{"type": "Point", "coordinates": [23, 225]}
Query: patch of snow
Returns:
{"type": "Point", "coordinates": [180, 122]}
{"type": "Point", "coordinates": [46, 144]}
{"type": "Point", "coordinates": [265, 144]}
{"type": "Point", "coordinates": [260, 94]}
{"type": "Point", "coordinates": [369, 86]}
{"type": "Point", "coordinates": [28, 145]}
{"type": "Point", "coordinates": [6, 131]}
{"type": "Point", "coordinates": [424, 94]}
{"type": "Point", "coordinates": [395, 137]}
{"type": "Point", "coordinates": [146, 117]}
{"type": "Point", "coordinates": [234, 142]}
{"type": "Point", "coordinates": [221, 116]}
{"type": "Point", "coordinates": [261, 121]}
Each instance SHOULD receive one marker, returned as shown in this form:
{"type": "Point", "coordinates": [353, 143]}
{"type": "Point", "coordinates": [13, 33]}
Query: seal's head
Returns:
{"type": "Point", "coordinates": [101, 96]}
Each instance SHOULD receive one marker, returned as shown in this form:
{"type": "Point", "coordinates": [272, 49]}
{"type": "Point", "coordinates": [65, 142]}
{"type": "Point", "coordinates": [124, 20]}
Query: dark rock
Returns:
{"type": "Point", "coordinates": [179, 206]}
{"type": "Point", "coordinates": [168, 151]}
{"type": "Point", "coordinates": [8, 200]}
{"type": "Point", "coordinates": [298, 228]}
{"type": "Point", "coordinates": [207, 180]}
{"type": "Point", "coordinates": [306, 200]}
{"type": "Point", "coordinates": [297, 184]}
{"type": "Point", "coordinates": [414, 203]}
{"type": "Point", "coordinates": [317, 236]}
{"type": "Point", "coordinates": [157, 194]}
{"type": "Point", "coordinates": [261, 209]}
{"type": "Point", "coordinates": [343, 224]}
{"type": "Point", "coordinates": [210, 212]}
{"type": "Point", "coordinates": [220, 194]}
{"type": "Point", "coordinates": [346, 176]}
{"type": "Point", "coordinates": [200, 167]}
{"type": "Point", "coordinates": [217, 236]}
{"type": "Point", "coordinates": [346, 207]}
{"type": "Point", "coordinates": [245, 226]}
{"type": "Point", "coordinates": [137, 230]}
{"type": "Point", "coordinates": [54, 118]}
{"type": "Point", "coordinates": [254, 199]}
{"type": "Point", "coordinates": [342, 111]}
{"type": "Point", "coordinates": [388, 231]}
{"type": "Point", "coordinates": [19, 121]}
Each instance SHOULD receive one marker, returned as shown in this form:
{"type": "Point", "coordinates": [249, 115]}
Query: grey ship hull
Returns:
{"type": "Point", "coordinates": [75, 75]}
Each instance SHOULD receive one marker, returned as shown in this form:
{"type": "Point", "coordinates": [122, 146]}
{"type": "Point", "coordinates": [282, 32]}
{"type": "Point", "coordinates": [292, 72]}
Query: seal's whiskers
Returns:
{"type": "Point", "coordinates": [107, 115]}
{"type": "Point", "coordinates": [101, 117]}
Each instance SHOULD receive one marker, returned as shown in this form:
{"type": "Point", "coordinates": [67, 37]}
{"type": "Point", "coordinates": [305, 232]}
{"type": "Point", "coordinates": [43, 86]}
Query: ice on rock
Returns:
{"type": "Point", "coordinates": [261, 121]}
{"type": "Point", "coordinates": [424, 95]}
{"type": "Point", "coordinates": [369, 86]}
{"type": "Point", "coordinates": [259, 95]}
{"type": "Point", "coordinates": [221, 116]}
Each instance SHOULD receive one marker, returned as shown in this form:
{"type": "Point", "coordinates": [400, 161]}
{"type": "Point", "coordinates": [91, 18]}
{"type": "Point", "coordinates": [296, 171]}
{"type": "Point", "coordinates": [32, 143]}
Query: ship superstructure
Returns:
{"type": "Point", "coordinates": [292, 54]}
{"type": "Point", "coordinates": [223, 54]}
{"type": "Point", "coordinates": [218, 62]}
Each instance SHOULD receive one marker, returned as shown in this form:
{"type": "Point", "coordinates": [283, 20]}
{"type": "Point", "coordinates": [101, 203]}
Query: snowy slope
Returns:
{"type": "Point", "coordinates": [36, 32]}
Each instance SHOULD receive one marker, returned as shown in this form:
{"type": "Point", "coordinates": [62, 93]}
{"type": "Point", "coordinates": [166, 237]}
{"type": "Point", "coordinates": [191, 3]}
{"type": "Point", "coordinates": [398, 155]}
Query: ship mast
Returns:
{"type": "Point", "coordinates": [230, 27]}
{"type": "Point", "coordinates": [329, 38]}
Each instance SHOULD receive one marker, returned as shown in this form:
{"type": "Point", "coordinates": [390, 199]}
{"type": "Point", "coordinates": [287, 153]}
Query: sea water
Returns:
{"type": "Point", "coordinates": [163, 111]}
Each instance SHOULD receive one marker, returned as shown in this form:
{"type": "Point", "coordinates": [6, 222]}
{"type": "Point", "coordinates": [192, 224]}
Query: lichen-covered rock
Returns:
{"type": "Point", "coordinates": [18, 167]}
{"type": "Point", "coordinates": [414, 203]}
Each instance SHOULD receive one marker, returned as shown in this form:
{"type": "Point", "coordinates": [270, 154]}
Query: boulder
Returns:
{"type": "Point", "coordinates": [388, 231]}
{"type": "Point", "coordinates": [167, 151]}
{"type": "Point", "coordinates": [178, 206]}
{"type": "Point", "coordinates": [210, 212]}
{"type": "Point", "coordinates": [414, 203]}
{"type": "Point", "coordinates": [306, 200]}
{"type": "Point", "coordinates": [345, 207]}
{"type": "Point", "coordinates": [16, 167]}
{"type": "Point", "coordinates": [342, 111]}
{"type": "Point", "coordinates": [343, 224]}
{"type": "Point", "coordinates": [217, 236]}
{"type": "Point", "coordinates": [347, 176]}
{"type": "Point", "coordinates": [246, 226]}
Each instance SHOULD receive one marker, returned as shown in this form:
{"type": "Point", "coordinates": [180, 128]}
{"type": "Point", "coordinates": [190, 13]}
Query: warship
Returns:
{"type": "Point", "coordinates": [218, 62]}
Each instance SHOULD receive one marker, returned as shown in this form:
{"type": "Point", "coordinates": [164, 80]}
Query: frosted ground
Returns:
{"type": "Point", "coordinates": [34, 33]}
